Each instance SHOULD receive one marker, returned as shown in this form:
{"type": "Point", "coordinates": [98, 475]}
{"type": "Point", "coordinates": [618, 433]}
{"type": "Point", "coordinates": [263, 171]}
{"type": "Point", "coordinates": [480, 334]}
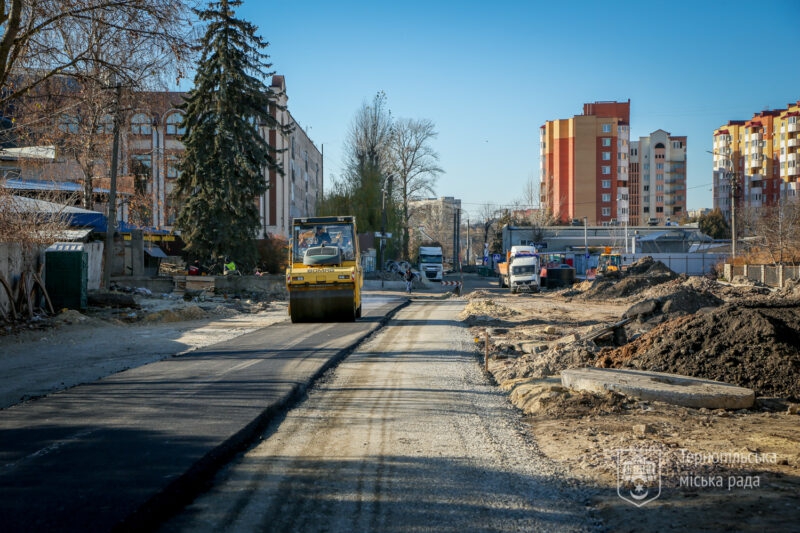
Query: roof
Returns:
{"type": "Point", "coordinates": [48, 185]}
{"type": "Point", "coordinates": [155, 251]}
{"type": "Point", "coordinates": [28, 152]}
{"type": "Point", "coordinates": [77, 217]}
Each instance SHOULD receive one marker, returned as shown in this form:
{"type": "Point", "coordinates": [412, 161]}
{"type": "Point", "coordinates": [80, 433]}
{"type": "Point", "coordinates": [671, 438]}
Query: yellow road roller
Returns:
{"type": "Point", "coordinates": [324, 277]}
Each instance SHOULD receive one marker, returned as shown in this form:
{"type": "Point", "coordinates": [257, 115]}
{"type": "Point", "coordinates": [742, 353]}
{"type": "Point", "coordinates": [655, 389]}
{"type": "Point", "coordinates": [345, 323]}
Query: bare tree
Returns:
{"type": "Point", "coordinates": [32, 223]}
{"type": "Point", "coordinates": [488, 215]}
{"type": "Point", "coordinates": [367, 163]}
{"type": "Point", "coordinates": [434, 222]}
{"type": "Point", "coordinates": [778, 229]}
{"type": "Point", "coordinates": [141, 41]}
{"type": "Point", "coordinates": [415, 166]}
{"type": "Point", "coordinates": [62, 72]}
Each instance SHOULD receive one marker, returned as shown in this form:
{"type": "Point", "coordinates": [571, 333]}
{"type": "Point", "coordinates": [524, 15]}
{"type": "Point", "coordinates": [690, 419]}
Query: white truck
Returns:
{"type": "Point", "coordinates": [523, 269]}
{"type": "Point", "coordinates": [430, 262]}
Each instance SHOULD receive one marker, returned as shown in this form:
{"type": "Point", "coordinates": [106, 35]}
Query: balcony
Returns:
{"type": "Point", "coordinates": [793, 127]}
{"type": "Point", "coordinates": [794, 171]}
{"type": "Point", "coordinates": [756, 161]}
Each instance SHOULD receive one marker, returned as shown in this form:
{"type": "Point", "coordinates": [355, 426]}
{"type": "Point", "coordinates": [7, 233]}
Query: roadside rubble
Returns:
{"type": "Point", "coordinates": [652, 319]}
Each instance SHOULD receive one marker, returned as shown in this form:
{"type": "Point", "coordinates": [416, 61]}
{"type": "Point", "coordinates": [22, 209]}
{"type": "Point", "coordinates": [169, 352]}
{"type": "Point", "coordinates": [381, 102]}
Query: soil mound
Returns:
{"type": "Point", "coordinates": [641, 275]}
{"type": "Point", "coordinates": [479, 311]}
{"type": "Point", "coordinates": [750, 344]}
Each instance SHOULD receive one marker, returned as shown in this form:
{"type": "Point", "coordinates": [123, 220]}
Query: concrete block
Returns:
{"type": "Point", "coordinates": [659, 386]}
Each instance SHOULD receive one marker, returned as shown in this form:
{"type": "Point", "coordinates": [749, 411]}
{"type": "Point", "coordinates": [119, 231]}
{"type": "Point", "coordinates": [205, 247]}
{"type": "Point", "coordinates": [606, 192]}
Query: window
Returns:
{"type": "Point", "coordinates": [68, 124]}
{"type": "Point", "coordinates": [605, 184]}
{"type": "Point", "coordinates": [606, 169]}
{"type": "Point", "coordinates": [606, 197]}
{"type": "Point", "coordinates": [140, 168]}
{"type": "Point", "coordinates": [606, 211]}
{"type": "Point", "coordinates": [141, 124]}
{"type": "Point", "coordinates": [606, 156]}
{"type": "Point", "coordinates": [173, 172]}
{"type": "Point", "coordinates": [606, 141]}
{"type": "Point", "coordinates": [606, 128]}
{"type": "Point", "coordinates": [106, 124]}
{"type": "Point", "coordinates": [659, 166]}
{"type": "Point", "coordinates": [174, 124]}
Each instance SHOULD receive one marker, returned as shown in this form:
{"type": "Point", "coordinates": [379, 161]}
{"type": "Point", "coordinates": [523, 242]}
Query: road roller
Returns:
{"type": "Point", "coordinates": [324, 278]}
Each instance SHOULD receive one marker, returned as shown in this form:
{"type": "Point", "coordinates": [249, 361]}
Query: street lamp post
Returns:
{"type": "Point", "coordinates": [586, 244]}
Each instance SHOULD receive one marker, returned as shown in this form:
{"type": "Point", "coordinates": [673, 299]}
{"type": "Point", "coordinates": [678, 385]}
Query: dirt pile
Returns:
{"type": "Point", "coordinates": [485, 311]}
{"type": "Point", "coordinates": [641, 275]}
{"type": "Point", "coordinates": [750, 344]}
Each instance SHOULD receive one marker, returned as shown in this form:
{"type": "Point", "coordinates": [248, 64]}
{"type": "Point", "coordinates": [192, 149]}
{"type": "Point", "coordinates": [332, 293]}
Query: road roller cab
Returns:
{"type": "Point", "coordinates": [324, 278]}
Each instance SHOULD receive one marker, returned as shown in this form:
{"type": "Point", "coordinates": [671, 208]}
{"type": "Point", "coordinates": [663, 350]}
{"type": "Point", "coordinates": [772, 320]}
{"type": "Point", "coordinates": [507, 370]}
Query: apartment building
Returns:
{"type": "Point", "coordinates": [150, 150]}
{"type": "Point", "coordinates": [584, 164]}
{"type": "Point", "coordinates": [756, 161]}
{"type": "Point", "coordinates": [657, 178]}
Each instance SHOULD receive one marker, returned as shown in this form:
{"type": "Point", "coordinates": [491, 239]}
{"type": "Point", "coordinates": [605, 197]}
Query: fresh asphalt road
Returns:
{"type": "Point", "coordinates": [122, 451]}
{"type": "Point", "coordinates": [405, 435]}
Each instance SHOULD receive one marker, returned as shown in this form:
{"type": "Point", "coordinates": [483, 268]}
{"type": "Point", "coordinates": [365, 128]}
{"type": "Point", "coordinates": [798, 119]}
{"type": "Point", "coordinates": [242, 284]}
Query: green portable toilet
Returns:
{"type": "Point", "coordinates": [66, 268]}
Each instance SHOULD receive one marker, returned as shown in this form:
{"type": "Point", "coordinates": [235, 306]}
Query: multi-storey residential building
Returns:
{"type": "Point", "coordinates": [787, 148]}
{"type": "Point", "coordinates": [297, 192]}
{"type": "Point", "coordinates": [658, 178]}
{"type": "Point", "coordinates": [585, 164]}
{"type": "Point", "coordinates": [755, 161]}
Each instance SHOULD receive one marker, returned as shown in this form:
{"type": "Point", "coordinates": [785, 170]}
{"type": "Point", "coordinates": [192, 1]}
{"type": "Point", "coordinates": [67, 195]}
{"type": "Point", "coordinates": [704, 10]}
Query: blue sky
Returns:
{"type": "Point", "coordinates": [489, 74]}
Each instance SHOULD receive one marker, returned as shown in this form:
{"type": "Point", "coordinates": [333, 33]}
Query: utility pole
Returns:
{"type": "Point", "coordinates": [387, 186]}
{"type": "Point", "coordinates": [734, 183]}
{"type": "Point", "coordinates": [111, 219]}
{"type": "Point", "coordinates": [383, 231]}
{"type": "Point", "coordinates": [469, 243]}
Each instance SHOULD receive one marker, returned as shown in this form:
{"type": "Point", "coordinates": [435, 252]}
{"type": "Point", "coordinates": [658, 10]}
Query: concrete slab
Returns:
{"type": "Point", "coordinates": [658, 386]}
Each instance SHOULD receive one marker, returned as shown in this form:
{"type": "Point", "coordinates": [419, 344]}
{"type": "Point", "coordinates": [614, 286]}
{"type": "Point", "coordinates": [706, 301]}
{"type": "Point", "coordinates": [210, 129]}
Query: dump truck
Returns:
{"type": "Point", "coordinates": [324, 277]}
{"type": "Point", "coordinates": [520, 271]}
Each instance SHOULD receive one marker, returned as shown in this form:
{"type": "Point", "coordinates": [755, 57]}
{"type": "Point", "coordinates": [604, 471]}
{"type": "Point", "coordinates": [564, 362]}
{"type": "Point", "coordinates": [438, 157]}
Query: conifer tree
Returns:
{"type": "Point", "coordinates": [225, 153]}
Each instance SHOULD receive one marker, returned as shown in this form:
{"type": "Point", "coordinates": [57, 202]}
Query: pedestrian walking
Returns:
{"type": "Point", "coordinates": [409, 277]}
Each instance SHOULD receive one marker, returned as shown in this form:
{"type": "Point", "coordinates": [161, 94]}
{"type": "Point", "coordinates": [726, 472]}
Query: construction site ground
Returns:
{"type": "Point", "coordinates": [720, 470]}
{"type": "Point", "coordinates": [737, 333]}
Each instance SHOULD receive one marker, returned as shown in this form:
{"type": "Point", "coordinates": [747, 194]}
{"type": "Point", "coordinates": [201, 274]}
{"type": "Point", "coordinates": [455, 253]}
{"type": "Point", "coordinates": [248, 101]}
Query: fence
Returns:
{"type": "Point", "coordinates": [692, 264]}
{"type": "Point", "coordinates": [771, 275]}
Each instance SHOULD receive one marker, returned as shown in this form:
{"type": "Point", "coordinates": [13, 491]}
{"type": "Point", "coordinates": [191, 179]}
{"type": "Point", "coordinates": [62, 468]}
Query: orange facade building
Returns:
{"type": "Point", "coordinates": [756, 160]}
{"type": "Point", "coordinates": [585, 164]}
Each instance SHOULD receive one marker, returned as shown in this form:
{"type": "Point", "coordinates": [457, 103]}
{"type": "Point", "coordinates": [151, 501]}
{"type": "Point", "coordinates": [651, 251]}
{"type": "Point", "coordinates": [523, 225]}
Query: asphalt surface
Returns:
{"type": "Point", "coordinates": [122, 452]}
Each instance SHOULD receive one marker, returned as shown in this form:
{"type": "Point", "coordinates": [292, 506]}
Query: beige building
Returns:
{"type": "Point", "coordinates": [658, 178]}
{"type": "Point", "coordinates": [152, 151]}
{"type": "Point", "coordinates": [435, 219]}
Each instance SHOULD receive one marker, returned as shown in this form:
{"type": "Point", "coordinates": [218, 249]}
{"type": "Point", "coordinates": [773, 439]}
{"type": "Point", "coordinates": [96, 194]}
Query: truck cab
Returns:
{"type": "Point", "coordinates": [430, 262]}
{"type": "Point", "coordinates": [521, 270]}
